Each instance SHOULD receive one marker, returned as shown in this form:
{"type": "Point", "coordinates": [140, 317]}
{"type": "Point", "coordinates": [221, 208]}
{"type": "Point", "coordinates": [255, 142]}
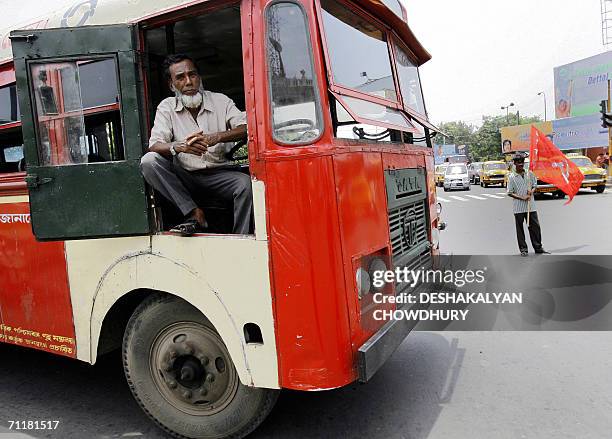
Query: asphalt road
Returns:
{"type": "Point", "coordinates": [436, 386]}
{"type": "Point", "coordinates": [480, 222]}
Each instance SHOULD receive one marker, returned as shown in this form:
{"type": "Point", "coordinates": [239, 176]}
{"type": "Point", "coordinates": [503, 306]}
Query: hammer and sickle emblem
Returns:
{"type": "Point", "coordinates": [563, 167]}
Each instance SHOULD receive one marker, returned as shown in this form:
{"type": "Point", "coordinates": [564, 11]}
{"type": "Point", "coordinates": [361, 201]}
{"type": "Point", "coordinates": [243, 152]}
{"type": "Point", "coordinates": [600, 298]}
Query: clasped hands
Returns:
{"type": "Point", "coordinates": [528, 196]}
{"type": "Point", "coordinates": [198, 143]}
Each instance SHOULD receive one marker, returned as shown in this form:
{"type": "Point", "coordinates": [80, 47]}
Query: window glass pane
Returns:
{"type": "Point", "coordinates": [409, 81]}
{"type": "Point", "coordinates": [358, 51]}
{"type": "Point", "coordinates": [98, 83]}
{"type": "Point", "coordinates": [66, 135]}
{"type": "Point", "coordinates": [11, 152]}
{"type": "Point", "coordinates": [295, 103]}
{"type": "Point", "coordinates": [377, 113]}
{"type": "Point", "coordinates": [9, 106]}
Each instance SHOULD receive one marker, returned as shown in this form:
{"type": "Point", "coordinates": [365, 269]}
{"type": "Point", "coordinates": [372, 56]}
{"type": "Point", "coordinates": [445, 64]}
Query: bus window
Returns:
{"type": "Point", "coordinates": [77, 112]}
{"type": "Point", "coordinates": [296, 111]}
{"type": "Point", "coordinates": [358, 52]}
{"type": "Point", "coordinates": [9, 106]}
{"type": "Point", "coordinates": [11, 151]}
{"type": "Point", "coordinates": [409, 80]}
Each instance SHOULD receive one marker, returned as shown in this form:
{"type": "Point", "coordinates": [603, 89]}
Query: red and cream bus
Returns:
{"type": "Point", "coordinates": [211, 326]}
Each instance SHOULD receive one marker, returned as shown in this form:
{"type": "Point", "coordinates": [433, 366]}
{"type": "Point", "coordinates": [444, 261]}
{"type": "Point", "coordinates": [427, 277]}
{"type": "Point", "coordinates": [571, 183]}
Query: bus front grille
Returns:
{"type": "Point", "coordinates": [408, 217]}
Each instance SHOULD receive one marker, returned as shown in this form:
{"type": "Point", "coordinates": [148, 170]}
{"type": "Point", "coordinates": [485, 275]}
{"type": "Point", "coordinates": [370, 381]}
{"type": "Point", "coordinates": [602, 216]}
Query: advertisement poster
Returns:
{"type": "Point", "coordinates": [581, 86]}
{"type": "Point", "coordinates": [441, 152]}
{"type": "Point", "coordinates": [579, 132]}
{"type": "Point", "coordinates": [516, 138]}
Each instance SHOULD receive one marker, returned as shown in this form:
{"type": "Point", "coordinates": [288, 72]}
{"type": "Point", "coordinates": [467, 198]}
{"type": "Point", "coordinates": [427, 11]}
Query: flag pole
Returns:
{"type": "Point", "coordinates": [528, 209]}
{"type": "Point", "coordinates": [529, 199]}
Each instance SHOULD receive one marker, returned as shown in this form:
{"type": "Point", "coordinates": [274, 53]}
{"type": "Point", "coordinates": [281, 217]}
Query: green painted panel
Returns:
{"type": "Point", "coordinates": [85, 200]}
{"type": "Point", "coordinates": [84, 40]}
{"type": "Point", "coordinates": [89, 200]}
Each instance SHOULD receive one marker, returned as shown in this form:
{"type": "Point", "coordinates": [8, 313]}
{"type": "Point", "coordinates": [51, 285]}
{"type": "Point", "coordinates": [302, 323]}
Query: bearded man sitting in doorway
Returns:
{"type": "Point", "coordinates": [190, 138]}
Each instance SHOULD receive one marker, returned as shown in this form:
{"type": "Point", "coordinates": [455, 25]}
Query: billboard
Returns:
{"type": "Point", "coordinates": [579, 132]}
{"type": "Point", "coordinates": [568, 133]}
{"type": "Point", "coordinates": [441, 152]}
{"type": "Point", "coordinates": [517, 138]}
{"type": "Point", "coordinates": [582, 85]}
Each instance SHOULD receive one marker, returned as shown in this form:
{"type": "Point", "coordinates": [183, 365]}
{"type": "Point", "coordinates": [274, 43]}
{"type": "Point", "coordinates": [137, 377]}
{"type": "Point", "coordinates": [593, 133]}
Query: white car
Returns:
{"type": "Point", "coordinates": [456, 177]}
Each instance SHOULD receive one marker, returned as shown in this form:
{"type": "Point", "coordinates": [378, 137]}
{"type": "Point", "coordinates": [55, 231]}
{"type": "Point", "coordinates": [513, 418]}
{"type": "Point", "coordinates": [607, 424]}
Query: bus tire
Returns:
{"type": "Point", "coordinates": [182, 376]}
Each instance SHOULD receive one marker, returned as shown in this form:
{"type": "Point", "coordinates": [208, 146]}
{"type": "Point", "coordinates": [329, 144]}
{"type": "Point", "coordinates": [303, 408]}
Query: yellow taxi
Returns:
{"type": "Point", "coordinates": [594, 177]}
{"type": "Point", "coordinates": [541, 187]}
{"type": "Point", "coordinates": [493, 172]}
{"type": "Point", "coordinates": [440, 170]}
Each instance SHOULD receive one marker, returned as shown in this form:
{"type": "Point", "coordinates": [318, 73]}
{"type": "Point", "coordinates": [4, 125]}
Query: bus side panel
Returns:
{"type": "Point", "coordinates": [313, 335]}
{"type": "Point", "coordinates": [35, 295]}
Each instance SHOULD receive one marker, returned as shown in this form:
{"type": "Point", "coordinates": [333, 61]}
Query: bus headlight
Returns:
{"type": "Point", "coordinates": [363, 281]}
{"type": "Point", "coordinates": [379, 265]}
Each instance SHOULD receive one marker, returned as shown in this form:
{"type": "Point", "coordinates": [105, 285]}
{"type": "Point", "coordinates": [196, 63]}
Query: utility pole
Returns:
{"type": "Point", "coordinates": [543, 94]}
{"type": "Point", "coordinates": [609, 135]}
{"type": "Point", "coordinates": [507, 108]}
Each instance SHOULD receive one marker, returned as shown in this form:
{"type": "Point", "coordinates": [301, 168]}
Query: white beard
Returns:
{"type": "Point", "coordinates": [190, 101]}
{"type": "Point", "coordinates": [193, 101]}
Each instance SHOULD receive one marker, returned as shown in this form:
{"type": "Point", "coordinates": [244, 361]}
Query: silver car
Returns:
{"type": "Point", "coordinates": [456, 177]}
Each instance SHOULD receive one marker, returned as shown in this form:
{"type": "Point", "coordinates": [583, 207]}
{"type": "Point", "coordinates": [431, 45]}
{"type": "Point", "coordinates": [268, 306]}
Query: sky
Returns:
{"type": "Point", "coordinates": [485, 54]}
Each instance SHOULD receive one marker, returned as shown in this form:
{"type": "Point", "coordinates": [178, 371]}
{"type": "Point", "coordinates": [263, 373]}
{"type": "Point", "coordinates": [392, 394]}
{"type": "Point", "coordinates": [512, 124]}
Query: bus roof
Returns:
{"type": "Point", "coordinates": [99, 12]}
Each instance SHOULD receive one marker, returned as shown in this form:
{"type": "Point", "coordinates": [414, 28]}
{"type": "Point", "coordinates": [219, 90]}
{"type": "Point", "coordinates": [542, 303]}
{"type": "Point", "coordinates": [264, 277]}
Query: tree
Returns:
{"type": "Point", "coordinates": [458, 133]}
{"type": "Point", "coordinates": [487, 140]}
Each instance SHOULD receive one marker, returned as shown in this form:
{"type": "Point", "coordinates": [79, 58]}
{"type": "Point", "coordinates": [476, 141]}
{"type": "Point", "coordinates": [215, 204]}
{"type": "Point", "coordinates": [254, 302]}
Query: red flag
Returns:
{"type": "Point", "coordinates": [552, 166]}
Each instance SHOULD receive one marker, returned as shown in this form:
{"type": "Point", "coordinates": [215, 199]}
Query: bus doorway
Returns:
{"type": "Point", "coordinates": [212, 38]}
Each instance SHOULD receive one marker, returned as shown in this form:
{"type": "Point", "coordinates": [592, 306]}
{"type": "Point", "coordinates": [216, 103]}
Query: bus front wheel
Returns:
{"type": "Point", "coordinates": [181, 374]}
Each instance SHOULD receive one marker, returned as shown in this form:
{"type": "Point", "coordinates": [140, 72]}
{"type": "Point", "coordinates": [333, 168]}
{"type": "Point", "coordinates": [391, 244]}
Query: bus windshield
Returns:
{"type": "Point", "coordinates": [358, 52]}
{"type": "Point", "coordinates": [360, 57]}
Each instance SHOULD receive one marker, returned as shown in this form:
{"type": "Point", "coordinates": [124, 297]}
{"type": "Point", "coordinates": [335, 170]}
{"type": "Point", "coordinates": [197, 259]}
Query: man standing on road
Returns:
{"type": "Point", "coordinates": [521, 186]}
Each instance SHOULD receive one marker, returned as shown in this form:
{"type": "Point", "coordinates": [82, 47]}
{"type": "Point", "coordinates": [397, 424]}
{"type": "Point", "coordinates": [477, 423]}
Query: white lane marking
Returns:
{"type": "Point", "coordinates": [444, 200]}
{"type": "Point", "coordinates": [476, 197]}
{"type": "Point", "coordinates": [501, 193]}
{"type": "Point", "coordinates": [458, 198]}
{"type": "Point", "coordinates": [493, 196]}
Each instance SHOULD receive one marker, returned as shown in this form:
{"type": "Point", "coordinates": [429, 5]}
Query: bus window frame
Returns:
{"type": "Point", "coordinates": [315, 79]}
{"type": "Point", "coordinates": [85, 111]}
{"type": "Point", "coordinates": [397, 43]}
{"type": "Point", "coordinates": [347, 91]}
{"type": "Point", "coordinates": [7, 74]}
{"type": "Point", "coordinates": [363, 120]}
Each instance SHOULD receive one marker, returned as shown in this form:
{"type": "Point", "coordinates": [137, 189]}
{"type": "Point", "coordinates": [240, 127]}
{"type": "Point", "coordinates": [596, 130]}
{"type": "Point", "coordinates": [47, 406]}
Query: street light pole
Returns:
{"type": "Point", "coordinates": [507, 108]}
{"type": "Point", "coordinates": [543, 94]}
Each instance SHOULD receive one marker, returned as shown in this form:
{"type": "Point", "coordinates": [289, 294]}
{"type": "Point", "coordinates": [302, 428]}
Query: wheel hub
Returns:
{"type": "Point", "coordinates": [189, 367]}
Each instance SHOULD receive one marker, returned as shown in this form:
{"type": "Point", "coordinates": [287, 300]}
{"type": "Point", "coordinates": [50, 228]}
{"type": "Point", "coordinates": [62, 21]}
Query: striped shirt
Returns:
{"type": "Point", "coordinates": [519, 184]}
